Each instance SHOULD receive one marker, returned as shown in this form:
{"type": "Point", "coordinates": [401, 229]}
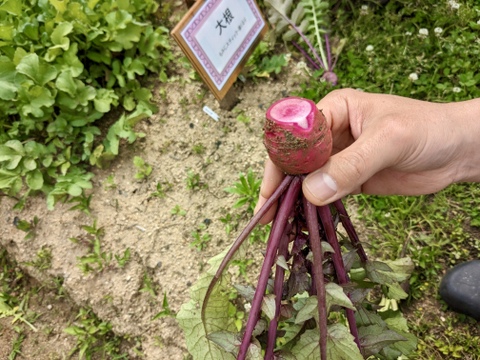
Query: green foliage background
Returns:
{"type": "Point", "coordinates": [63, 66]}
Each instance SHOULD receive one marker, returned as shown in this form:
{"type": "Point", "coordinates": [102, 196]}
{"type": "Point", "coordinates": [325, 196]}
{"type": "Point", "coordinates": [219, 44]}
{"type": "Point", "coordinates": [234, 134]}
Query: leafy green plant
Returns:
{"type": "Point", "coordinates": [177, 210]}
{"type": "Point", "coordinates": [30, 227]}
{"type": "Point", "coordinates": [122, 260]}
{"type": "Point", "coordinates": [161, 188]}
{"type": "Point", "coordinates": [83, 203]}
{"type": "Point", "coordinates": [43, 259]}
{"type": "Point", "coordinates": [309, 21]}
{"type": "Point", "coordinates": [264, 62]}
{"type": "Point", "coordinates": [17, 345]}
{"type": "Point", "coordinates": [94, 337]}
{"type": "Point", "coordinates": [143, 169]}
{"type": "Point", "coordinates": [200, 237]}
{"type": "Point", "coordinates": [247, 189]}
{"type": "Point", "coordinates": [166, 311]}
{"type": "Point", "coordinates": [97, 259]}
{"type": "Point", "coordinates": [229, 222]}
{"type": "Point", "coordinates": [148, 286]}
{"type": "Point", "coordinates": [193, 181]}
{"type": "Point", "coordinates": [198, 149]}
{"type": "Point", "coordinates": [59, 75]}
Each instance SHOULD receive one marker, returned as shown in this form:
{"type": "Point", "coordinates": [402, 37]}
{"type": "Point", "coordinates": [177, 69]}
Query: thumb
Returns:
{"type": "Point", "coordinates": [346, 172]}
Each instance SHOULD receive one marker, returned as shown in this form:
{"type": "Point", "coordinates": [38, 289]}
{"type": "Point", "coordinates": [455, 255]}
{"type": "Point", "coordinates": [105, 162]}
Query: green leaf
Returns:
{"type": "Point", "coordinates": [340, 345]}
{"type": "Point", "coordinates": [228, 341]}
{"type": "Point", "coordinates": [268, 305]}
{"type": "Point", "coordinates": [59, 35]}
{"type": "Point", "coordinates": [65, 82]}
{"type": "Point", "coordinates": [40, 100]}
{"type": "Point", "coordinates": [8, 89]}
{"type": "Point", "coordinates": [34, 180]}
{"type": "Point", "coordinates": [380, 273]}
{"type": "Point", "coordinates": [13, 7]}
{"type": "Point", "coordinates": [217, 312]}
{"type": "Point", "coordinates": [104, 100]}
{"type": "Point", "coordinates": [8, 179]}
{"type": "Point", "coordinates": [336, 296]}
{"type": "Point", "coordinates": [35, 68]}
{"type": "Point", "coordinates": [374, 338]}
{"type": "Point", "coordinates": [29, 164]}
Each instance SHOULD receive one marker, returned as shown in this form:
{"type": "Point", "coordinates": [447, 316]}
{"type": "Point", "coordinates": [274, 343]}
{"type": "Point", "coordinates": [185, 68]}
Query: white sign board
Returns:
{"type": "Point", "coordinates": [218, 36]}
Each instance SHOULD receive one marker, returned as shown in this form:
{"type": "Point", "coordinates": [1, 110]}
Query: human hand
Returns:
{"type": "Point", "coordinates": [386, 145]}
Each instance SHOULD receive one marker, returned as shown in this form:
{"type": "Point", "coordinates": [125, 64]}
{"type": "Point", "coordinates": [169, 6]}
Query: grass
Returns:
{"type": "Point", "coordinates": [436, 232]}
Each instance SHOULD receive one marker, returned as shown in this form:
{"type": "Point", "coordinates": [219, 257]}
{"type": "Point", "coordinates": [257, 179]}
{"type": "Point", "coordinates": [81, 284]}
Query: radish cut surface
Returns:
{"type": "Point", "coordinates": [293, 111]}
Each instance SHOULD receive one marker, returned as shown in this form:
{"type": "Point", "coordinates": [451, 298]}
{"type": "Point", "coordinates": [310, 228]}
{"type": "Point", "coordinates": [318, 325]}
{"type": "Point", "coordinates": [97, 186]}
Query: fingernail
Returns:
{"type": "Point", "coordinates": [321, 186]}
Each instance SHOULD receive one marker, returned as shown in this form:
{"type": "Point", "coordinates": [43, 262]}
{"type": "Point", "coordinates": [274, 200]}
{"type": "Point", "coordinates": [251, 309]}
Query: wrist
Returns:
{"type": "Point", "coordinates": [465, 116]}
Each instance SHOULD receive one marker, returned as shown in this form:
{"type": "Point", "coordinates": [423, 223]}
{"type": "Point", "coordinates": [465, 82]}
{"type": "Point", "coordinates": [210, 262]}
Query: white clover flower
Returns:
{"type": "Point", "coordinates": [364, 10]}
{"type": "Point", "coordinates": [413, 77]}
{"type": "Point", "coordinates": [453, 4]}
{"type": "Point", "coordinates": [423, 32]}
{"type": "Point", "coordinates": [408, 33]}
{"type": "Point", "coordinates": [478, 22]}
{"type": "Point", "coordinates": [456, 89]}
{"type": "Point", "coordinates": [438, 30]}
{"type": "Point", "coordinates": [369, 48]}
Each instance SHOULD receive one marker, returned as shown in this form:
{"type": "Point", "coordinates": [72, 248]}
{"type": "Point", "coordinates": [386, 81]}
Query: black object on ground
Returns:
{"type": "Point", "coordinates": [460, 288]}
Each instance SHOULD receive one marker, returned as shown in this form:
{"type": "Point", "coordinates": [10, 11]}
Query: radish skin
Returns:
{"type": "Point", "coordinates": [297, 136]}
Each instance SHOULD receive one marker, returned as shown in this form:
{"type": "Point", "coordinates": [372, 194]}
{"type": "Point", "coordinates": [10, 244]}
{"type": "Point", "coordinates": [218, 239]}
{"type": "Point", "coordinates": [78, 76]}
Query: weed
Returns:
{"type": "Point", "coordinates": [161, 189]}
{"type": "Point", "coordinates": [177, 210]}
{"type": "Point", "coordinates": [200, 237]}
{"type": "Point", "coordinates": [9, 307]}
{"type": "Point", "coordinates": [94, 337]}
{"type": "Point", "coordinates": [83, 203]}
{"type": "Point", "coordinates": [229, 222]}
{"type": "Point", "coordinates": [143, 169]}
{"type": "Point", "coordinates": [43, 260]}
{"type": "Point", "coordinates": [30, 227]}
{"type": "Point", "coordinates": [17, 346]}
{"type": "Point", "coordinates": [97, 259]}
{"type": "Point", "coordinates": [247, 189]}
{"type": "Point", "coordinates": [263, 62]}
{"type": "Point", "coordinates": [193, 181]}
{"type": "Point", "coordinates": [110, 182]}
{"type": "Point", "coordinates": [198, 149]}
{"type": "Point", "coordinates": [166, 311]}
{"type": "Point", "coordinates": [123, 260]}
{"type": "Point", "coordinates": [243, 118]}
{"type": "Point", "coordinates": [242, 265]}
{"type": "Point", "coordinates": [148, 286]}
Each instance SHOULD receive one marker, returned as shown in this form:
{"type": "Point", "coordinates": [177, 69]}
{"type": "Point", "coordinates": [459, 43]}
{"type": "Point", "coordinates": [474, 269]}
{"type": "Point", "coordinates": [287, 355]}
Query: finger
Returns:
{"type": "Point", "coordinates": [346, 171]}
{"type": "Point", "coordinates": [272, 178]}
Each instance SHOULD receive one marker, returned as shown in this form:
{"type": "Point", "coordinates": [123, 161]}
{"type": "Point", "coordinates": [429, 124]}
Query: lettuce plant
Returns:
{"type": "Point", "coordinates": [63, 66]}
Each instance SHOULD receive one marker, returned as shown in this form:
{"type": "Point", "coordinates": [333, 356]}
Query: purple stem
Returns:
{"type": "Point", "coordinates": [307, 56]}
{"type": "Point", "coordinates": [342, 277]}
{"type": "Point", "coordinates": [241, 238]}
{"type": "Point", "coordinates": [278, 228]}
{"type": "Point", "coordinates": [319, 281]}
{"type": "Point", "coordinates": [309, 44]}
{"type": "Point", "coordinates": [352, 234]}
{"type": "Point", "coordinates": [278, 290]}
